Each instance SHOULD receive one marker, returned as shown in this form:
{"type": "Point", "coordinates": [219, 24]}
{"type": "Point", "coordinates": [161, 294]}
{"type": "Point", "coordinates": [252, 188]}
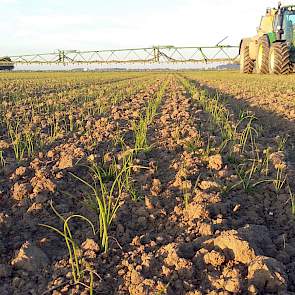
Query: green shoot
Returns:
{"type": "Point", "coordinates": [280, 179]}
{"type": "Point", "coordinates": [77, 265]}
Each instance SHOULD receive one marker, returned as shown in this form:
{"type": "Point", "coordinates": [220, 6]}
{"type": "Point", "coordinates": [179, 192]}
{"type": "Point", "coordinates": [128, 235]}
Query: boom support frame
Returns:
{"type": "Point", "coordinates": [148, 55]}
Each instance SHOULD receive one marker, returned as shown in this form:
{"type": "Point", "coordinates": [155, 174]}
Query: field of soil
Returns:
{"type": "Point", "coordinates": [147, 183]}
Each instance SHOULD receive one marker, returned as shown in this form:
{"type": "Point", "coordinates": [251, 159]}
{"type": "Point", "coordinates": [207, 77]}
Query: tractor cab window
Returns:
{"type": "Point", "coordinates": [289, 26]}
{"type": "Point", "coordinates": [276, 23]}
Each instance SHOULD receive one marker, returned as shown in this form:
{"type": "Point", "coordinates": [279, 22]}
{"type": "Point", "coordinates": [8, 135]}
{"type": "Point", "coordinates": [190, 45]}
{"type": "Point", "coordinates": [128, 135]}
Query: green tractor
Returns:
{"type": "Point", "coordinates": [272, 50]}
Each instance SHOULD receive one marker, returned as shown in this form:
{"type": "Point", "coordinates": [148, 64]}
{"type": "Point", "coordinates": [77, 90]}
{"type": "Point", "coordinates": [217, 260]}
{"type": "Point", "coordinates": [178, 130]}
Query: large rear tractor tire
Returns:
{"type": "Point", "coordinates": [262, 58]}
{"type": "Point", "coordinates": [279, 59]}
{"type": "Point", "coordinates": [246, 63]}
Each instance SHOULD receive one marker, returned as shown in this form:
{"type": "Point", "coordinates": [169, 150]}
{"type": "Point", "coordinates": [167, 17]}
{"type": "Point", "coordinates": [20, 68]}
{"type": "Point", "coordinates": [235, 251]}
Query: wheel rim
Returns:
{"type": "Point", "coordinates": [272, 60]}
{"type": "Point", "coordinates": [260, 56]}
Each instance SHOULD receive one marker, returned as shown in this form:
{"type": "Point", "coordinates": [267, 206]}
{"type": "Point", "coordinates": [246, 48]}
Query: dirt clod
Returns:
{"type": "Point", "coordinates": [30, 258]}
{"type": "Point", "coordinates": [215, 162]}
{"type": "Point", "coordinates": [267, 274]}
{"type": "Point", "coordinates": [90, 244]}
{"type": "Point", "coordinates": [21, 190]}
{"type": "Point", "coordinates": [214, 258]}
{"type": "Point", "coordinates": [66, 161]}
{"type": "Point", "coordinates": [234, 247]}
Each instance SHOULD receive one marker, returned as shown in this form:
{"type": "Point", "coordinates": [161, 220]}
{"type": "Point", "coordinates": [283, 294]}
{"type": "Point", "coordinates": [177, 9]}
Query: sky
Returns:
{"type": "Point", "coordinates": [36, 26]}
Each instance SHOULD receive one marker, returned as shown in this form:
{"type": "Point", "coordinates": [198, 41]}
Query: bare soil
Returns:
{"type": "Point", "coordinates": [217, 243]}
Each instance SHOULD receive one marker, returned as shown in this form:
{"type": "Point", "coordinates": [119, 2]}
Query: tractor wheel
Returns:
{"type": "Point", "coordinates": [279, 59]}
{"type": "Point", "coordinates": [246, 63]}
{"type": "Point", "coordinates": [262, 56]}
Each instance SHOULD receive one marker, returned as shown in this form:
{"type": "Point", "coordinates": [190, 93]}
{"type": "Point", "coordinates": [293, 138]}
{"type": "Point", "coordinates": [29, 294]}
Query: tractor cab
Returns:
{"type": "Point", "coordinates": [287, 25]}
{"type": "Point", "coordinates": [279, 24]}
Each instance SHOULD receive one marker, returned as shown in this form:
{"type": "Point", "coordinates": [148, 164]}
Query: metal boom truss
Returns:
{"type": "Point", "coordinates": [149, 55]}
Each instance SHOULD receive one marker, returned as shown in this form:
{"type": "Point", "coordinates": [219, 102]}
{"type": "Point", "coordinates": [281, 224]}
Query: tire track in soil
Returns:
{"type": "Point", "coordinates": [272, 126]}
{"type": "Point", "coordinates": [181, 250]}
{"type": "Point", "coordinates": [153, 226]}
{"type": "Point", "coordinates": [264, 214]}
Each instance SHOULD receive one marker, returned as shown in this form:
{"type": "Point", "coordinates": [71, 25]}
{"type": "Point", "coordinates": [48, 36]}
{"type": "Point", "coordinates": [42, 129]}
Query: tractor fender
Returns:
{"type": "Point", "coordinates": [279, 41]}
{"type": "Point", "coordinates": [243, 42]}
{"type": "Point", "coordinates": [240, 46]}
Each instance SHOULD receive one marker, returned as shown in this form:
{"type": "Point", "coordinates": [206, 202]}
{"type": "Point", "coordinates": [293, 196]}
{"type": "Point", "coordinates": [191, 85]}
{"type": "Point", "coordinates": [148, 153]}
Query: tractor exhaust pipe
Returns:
{"type": "Point", "coordinates": [279, 5]}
